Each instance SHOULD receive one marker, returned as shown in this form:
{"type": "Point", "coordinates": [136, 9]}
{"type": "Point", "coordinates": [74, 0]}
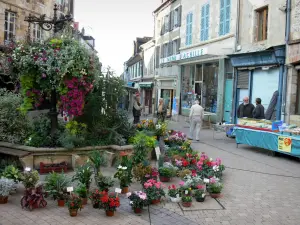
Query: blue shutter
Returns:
{"type": "Point", "coordinates": [203, 23]}
{"type": "Point", "coordinates": [191, 28]}
{"type": "Point", "coordinates": [227, 17]}
{"type": "Point", "coordinates": [187, 29]}
{"type": "Point", "coordinates": [207, 22]}
{"type": "Point", "coordinates": [222, 17]}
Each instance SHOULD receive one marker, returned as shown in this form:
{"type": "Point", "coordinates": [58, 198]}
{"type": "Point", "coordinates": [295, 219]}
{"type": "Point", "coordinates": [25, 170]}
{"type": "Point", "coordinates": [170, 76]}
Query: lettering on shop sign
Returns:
{"type": "Point", "coordinates": [193, 53]}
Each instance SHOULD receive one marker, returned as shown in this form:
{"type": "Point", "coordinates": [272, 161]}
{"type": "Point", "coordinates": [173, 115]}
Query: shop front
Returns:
{"type": "Point", "coordinates": [147, 93]}
{"type": "Point", "coordinates": [167, 91]}
{"type": "Point", "coordinates": [260, 75]}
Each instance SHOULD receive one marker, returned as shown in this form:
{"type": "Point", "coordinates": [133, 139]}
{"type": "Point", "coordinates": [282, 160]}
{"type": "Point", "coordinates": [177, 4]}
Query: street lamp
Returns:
{"type": "Point", "coordinates": [56, 24]}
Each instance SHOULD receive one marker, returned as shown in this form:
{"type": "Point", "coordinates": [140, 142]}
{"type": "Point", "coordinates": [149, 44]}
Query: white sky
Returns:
{"type": "Point", "coordinates": [115, 24]}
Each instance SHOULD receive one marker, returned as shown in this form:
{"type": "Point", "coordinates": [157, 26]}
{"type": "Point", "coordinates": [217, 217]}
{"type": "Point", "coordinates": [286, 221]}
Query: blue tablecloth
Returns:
{"type": "Point", "coordinates": [264, 139]}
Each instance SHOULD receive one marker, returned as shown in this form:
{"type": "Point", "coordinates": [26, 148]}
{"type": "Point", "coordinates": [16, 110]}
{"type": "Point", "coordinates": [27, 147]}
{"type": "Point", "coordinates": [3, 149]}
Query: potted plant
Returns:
{"type": "Point", "coordinates": [124, 176]}
{"type": "Point", "coordinates": [165, 174]}
{"type": "Point", "coordinates": [174, 194]}
{"type": "Point", "coordinates": [103, 182]}
{"type": "Point", "coordinates": [110, 203]}
{"type": "Point", "coordinates": [95, 198]}
{"type": "Point", "coordinates": [215, 189]}
{"type": "Point", "coordinates": [186, 200]}
{"type": "Point", "coordinates": [199, 194]}
{"type": "Point", "coordinates": [98, 158]}
{"type": "Point", "coordinates": [84, 175]}
{"type": "Point", "coordinates": [74, 203]}
{"type": "Point", "coordinates": [144, 171]}
{"type": "Point", "coordinates": [56, 185]}
{"type": "Point", "coordinates": [30, 178]}
{"type": "Point", "coordinates": [5, 187]}
{"type": "Point", "coordinates": [138, 200]}
{"type": "Point", "coordinates": [154, 190]}
{"type": "Point", "coordinates": [13, 173]}
{"type": "Point", "coordinates": [81, 191]}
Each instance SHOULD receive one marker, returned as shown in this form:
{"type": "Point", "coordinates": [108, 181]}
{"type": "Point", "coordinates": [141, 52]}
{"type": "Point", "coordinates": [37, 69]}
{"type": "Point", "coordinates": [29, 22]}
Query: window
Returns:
{"type": "Point", "coordinates": [224, 17]}
{"type": "Point", "coordinates": [165, 50]}
{"type": "Point", "coordinates": [262, 24]}
{"type": "Point", "coordinates": [37, 32]}
{"type": "Point", "coordinates": [189, 29]}
{"type": "Point", "coordinates": [10, 26]}
{"type": "Point", "coordinates": [175, 17]}
{"type": "Point", "coordinates": [204, 23]}
{"type": "Point", "coordinates": [166, 22]}
{"type": "Point", "coordinates": [157, 58]}
{"type": "Point", "coordinates": [174, 47]}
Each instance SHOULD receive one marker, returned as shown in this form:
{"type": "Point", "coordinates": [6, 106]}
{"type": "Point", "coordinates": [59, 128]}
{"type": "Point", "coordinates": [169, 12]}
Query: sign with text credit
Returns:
{"type": "Point", "coordinates": [284, 144]}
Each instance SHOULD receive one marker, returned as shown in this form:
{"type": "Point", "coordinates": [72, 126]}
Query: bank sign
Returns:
{"type": "Point", "coordinates": [185, 55]}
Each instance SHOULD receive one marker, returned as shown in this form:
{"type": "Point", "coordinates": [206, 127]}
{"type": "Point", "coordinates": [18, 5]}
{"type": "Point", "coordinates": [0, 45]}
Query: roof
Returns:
{"type": "Point", "coordinates": [163, 5]}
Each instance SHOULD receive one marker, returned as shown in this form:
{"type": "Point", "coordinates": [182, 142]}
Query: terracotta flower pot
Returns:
{"type": "Point", "coordinates": [200, 199]}
{"type": "Point", "coordinates": [137, 210]}
{"type": "Point", "coordinates": [84, 201]}
{"type": "Point", "coordinates": [186, 204]}
{"type": "Point", "coordinates": [155, 201]}
{"type": "Point", "coordinates": [164, 179]}
{"type": "Point", "coordinates": [73, 212]}
{"type": "Point", "coordinates": [125, 190]}
{"type": "Point", "coordinates": [215, 195]}
{"type": "Point", "coordinates": [60, 203]}
{"type": "Point", "coordinates": [3, 199]}
{"type": "Point", "coordinates": [110, 213]}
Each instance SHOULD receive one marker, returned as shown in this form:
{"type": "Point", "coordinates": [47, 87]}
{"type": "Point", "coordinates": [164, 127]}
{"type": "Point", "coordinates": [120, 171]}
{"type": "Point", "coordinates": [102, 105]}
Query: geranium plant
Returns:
{"type": "Point", "coordinates": [110, 202]}
{"type": "Point", "coordinates": [154, 189]}
{"type": "Point", "coordinates": [95, 197]}
{"type": "Point", "coordinates": [74, 202]}
{"type": "Point", "coordinates": [173, 191]}
{"type": "Point", "coordinates": [138, 199]}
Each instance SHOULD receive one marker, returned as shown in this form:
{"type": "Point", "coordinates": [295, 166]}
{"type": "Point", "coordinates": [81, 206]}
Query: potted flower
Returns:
{"type": "Point", "coordinates": [30, 178]}
{"type": "Point", "coordinates": [124, 176]}
{"type": "Point", "coordinates": [144, 171]}
{"type": "Point", "coordinates": [5, 187]}
{"type": "Point", "coordinates": [13, 173]}
{"type": "Point", "coordinates": [138, 200]}
{"type": "Point", "coordinates": [199, 193]}
{"type": "Point", "coordinates": [74, 203]}
{"type": "Point", "coordinates": [84, 175]}
{"type": "Point", "coordinates": [154, 190]}
{"type": "Point", "coordinates": [165, 174]}
{"type": "Point", "coordinates": [95, 197]}
{"type": "Point", "coordinates": [110, 203]}
{"type": "Point", "coordinates": [82, 193]}
{"type": "Point", "coordinates": [186, 201]}
{"type": "Point", "coordinates": [56, 185]}
{"type": "Point", "coordinates": [103, 182]}
{"type": "Point", "coordinates": [174, 194]}
{"type": "Point", "coordinates": [215, 189]}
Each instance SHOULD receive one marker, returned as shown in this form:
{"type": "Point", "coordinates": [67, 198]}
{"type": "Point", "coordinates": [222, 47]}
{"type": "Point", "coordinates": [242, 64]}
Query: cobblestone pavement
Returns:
{"type": "Point", "coordinates": [259, 189]}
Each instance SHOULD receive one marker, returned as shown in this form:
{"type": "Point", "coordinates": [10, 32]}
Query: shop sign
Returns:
{"type": "Point", "coordinates": [170, 59]}
{"type": "Point", "coordinates": [193, 53]}
{"type": "Point", "coordinates": [284, 144]}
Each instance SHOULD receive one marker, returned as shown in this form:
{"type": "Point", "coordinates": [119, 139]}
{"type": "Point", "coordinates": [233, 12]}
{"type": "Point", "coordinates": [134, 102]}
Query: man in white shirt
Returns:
{"type": "Point", "coordinates": [196, 117]}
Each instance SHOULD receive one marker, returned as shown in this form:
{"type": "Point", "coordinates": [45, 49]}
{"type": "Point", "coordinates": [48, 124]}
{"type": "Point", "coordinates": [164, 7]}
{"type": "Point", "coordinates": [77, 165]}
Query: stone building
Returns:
{"type": "Point", "coordinates": [167, 19]}
{"type": "Point", "coordinates": [259, 59]}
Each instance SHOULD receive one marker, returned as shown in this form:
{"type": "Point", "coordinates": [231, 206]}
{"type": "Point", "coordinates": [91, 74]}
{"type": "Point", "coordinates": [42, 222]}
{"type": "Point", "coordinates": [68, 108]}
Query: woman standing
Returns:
{"type": "Point", "coordinates": [137, 109]}
{"type": "Point", "coordinates": [162, 110]}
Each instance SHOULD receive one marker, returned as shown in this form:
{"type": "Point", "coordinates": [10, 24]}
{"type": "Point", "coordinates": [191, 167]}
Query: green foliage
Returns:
{"type": "Point", "coordinates": [124, 175]}
{"type": "Point", "coordinates": [30, 179]}
{"type": "Point", "coordinates": [56, 185]}
{"type": "Point", "coordinates": [83, 174]}
{"type": "Point", "coordinates": [98, 159]}
{"type": "Point", "coordinates": [186, 198]}
{"type": "Point", "coordinates": [74, 135]}
{"type": "Point", "coordinates": [166, 172]}
{"type": "Point", "coordinates": [82, 191]}
{"type": "Point", "coordinates": [12, 173]}
{"type": "Point", "coordinates": [103, 182]}
{"type": "Point", "coordinates": [215, 188]}
{"type": "Point", "coordinates": [14, 126]}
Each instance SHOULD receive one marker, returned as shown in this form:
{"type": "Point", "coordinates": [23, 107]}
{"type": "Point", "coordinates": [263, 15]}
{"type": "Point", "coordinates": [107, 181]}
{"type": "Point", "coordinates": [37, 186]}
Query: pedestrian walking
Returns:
{"type": "Point", "coordinates": [162, 111]}
{"type": "Point", "coordinates": [259, 111]}
{"type": "Point", "coordinates": [137, 109]}
{"type": "Point", "coordinates": [245, 109]}
{"type": "Point", "coordinates": [196, 117]}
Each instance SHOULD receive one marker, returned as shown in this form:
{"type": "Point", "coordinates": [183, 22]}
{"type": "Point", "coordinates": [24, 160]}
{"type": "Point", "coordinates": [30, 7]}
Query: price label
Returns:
{"type": "Point", "coordinates": [70, 189]}
{"type": "Point", "coordinates": [186, 192]}
{"type": "Point", "coordinates": [118, 190]}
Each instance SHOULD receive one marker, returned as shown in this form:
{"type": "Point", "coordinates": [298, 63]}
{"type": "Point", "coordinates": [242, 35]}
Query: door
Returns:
{"type": "Point", "coordinates": [228, 100]}
{"type": "Point", "coordinates": [148, 100]}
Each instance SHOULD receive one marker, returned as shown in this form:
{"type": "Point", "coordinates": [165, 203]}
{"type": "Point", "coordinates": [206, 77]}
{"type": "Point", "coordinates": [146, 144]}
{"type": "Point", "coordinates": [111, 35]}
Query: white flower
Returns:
{"type": "Point", "coordinates": [131, 202]}
{"type": "Point", "coordinates": [124, 168]}
{"type": "Point", "coordinates": [120, 167]}
{"type": "Point", "coordinates": [27, 169]}
{"type": "Point", "coordinates": [205, 180]}
{"type": "Point", "coordinates": [203, 195]}
{"type": "Point", "coordinates": [30, 179]}
{"type": "Point", "coordinates": [210, 159]}
{"type": "Point", "coordinates": [216, 168]}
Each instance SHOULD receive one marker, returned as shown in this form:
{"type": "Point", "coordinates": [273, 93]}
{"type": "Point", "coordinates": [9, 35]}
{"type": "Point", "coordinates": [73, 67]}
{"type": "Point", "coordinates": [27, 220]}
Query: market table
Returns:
{"type": "Point", "coordinates": [289, 145]}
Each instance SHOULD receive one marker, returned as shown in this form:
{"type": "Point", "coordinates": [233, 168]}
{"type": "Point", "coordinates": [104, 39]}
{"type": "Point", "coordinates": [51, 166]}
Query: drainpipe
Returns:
{"type": "Point", "coordinates": [287, 39]}
{"type": "Point", "coordinates": [237, 30]}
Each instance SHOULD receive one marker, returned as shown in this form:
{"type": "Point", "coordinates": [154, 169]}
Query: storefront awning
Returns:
{"type": "Point", "coordinates": [146, 84]}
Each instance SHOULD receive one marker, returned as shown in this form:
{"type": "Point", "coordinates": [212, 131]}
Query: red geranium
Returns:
{"type": "Point", "coordinates": [110, 202]}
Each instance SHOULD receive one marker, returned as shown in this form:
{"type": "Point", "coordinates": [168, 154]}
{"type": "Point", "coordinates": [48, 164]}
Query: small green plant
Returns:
{"type": "Point", "coordinates": [173, 191]}
{"type": "Point", "coordinates": [81, 191]}
{"type": "Point", "coordinates": [56, 185]}
{"type": "Point", "coordinates": [104, 182]}
{"type": "Point", "coordinates": [124, 176]}
{"type": "Point", "coordinates": [13, 173]}
{"type": "Point", "coordinates": [215, 188]}
{"type": "Point", "coordinates": [30, 178]}
{"type": "Point", "coordinates": [199, 193]}
{"type": "Point", "coordinates": [138, 199]}
{"type": "Point", "coordinates": [6, 186]}
{"type": "Point", "coordinates": [186, 198]}
{"type": "Point", "coordinates": [83, 174]}
{"type": "Point", "coordinates": [166, 172]}
{"type": "Point", "coordinates": [98, 159]}
{"type": "Point", "coordinates": [74, 202]}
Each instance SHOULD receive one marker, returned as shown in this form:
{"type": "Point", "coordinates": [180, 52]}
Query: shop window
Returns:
{"type": "Point", "coordinates": [262, 24]}
{"type": "Point", "coordinates": [204, 22]}
{"type": "Point", "coordinates": [224, 27]}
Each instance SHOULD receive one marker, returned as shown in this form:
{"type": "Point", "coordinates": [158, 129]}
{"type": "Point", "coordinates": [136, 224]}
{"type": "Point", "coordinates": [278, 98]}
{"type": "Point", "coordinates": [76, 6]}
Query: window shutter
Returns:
{"type": "Point", "coordinates": [203, 23]}
{"type": "Point", "coordinates": [207, 21]}
{"type": "Point", "coordinates": [161, 51]}
{"type": "Point", "coordinates": [157, 58]}
{"type": "Point", "coordinates": [187, 29]}
{"type": "Point", "coordinates": [179, 16]}
{"type": "Point", "coordinates": [171, 19]}
{"type": "Point", "coordinates": [222, 17]}
{"type": "Point", "coordinates": [243, 79]}
{"type": "Point", "coordinates": [227, 16]}
{"type": "Point", "coordinates": [178, 45]}
{"type": "Point", "coordinates": [167, 21]}
{"type": "Point", "coordinates": [191, 28]}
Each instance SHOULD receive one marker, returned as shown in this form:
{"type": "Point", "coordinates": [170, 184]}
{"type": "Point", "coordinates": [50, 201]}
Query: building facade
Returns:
{"type": "Point", "coordinates": [167, 19]}
{"type": "Point", "coordinates": [259, 60]}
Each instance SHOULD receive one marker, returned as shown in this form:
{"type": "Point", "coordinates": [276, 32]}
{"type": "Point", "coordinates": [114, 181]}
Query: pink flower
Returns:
{"type": "Point", "coordinates": [213, 164]}
{"type": "Point", "coordinates": [200, 186]}
{"type": "Point", "coordinates": [181, 183]}
{"type": "Point", "coordinates": [212, 180]}
{"type": "Point", "coordinates": [157, 185]}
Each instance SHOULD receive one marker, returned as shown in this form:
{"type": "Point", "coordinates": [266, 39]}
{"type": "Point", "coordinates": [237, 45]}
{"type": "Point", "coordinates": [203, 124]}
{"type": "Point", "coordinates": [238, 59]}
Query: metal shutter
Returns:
{"type": "Point", "coordinates": [243, 79]}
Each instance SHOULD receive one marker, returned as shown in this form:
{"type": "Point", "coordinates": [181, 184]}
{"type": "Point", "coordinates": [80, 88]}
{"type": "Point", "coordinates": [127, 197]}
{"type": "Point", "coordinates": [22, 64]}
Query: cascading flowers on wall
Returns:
{"type": "Point", "coordinates": [63, 65]}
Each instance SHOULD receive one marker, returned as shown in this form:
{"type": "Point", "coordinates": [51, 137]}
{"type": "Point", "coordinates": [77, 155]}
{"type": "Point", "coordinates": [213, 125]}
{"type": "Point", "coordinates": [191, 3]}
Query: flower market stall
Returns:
{"type": "Point", "coordinates": [274, 136]}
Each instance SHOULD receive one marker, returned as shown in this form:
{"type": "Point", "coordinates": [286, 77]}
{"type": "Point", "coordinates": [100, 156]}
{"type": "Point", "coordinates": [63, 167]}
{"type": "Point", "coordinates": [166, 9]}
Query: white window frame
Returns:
{"type": "Point", "coordinates": [166, 22]}
{"type": "Point", "coordinates": [10, 15]}
{"type": "Point", "coordinates": [176, 12]}
{"type": "Point", "coordinates": [37, 32]}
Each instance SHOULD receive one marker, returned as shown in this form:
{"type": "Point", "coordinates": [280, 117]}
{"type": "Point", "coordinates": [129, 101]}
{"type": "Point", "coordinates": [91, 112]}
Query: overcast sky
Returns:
{"type": "Point", "coordinates": [115, 24]}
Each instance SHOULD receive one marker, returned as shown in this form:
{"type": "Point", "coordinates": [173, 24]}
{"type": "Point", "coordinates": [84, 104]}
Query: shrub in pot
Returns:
{"type": "Point", "coordinates": [95, 198]}
{"type": "Point", "coordinates": [138, 200]}
{"type": "Point", "coordinates": [74, 203]}
{"type": "Point", "coordinates": [186, 200]}
{"type": "Point", "coordinates": [56, 185]}
{"type": "Point", "coordinates": [174, 194]}
{"type": "Point", "coordinates": [82, 192]}
{"type": "Point", "coordinates": [5, 187]}
{"type": "Point", "coordinates": [84, 175]}
{"type": "Point", "coordinates": [110, 203]}
{"type": "Point", "coordinates": [13, 173]}
{"type": "Point", "coordinates": [215, 188]}
{"type": "Point", "coordinates": [103, 182]}
{"type": "Point", "coordinates": [30, 178]}
{"type": "Point", "coordinates": [165, 174]}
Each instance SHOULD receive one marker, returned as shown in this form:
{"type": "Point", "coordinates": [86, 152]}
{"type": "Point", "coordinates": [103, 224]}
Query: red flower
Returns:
{"type": "Point", "coordinates": [185, 163]}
